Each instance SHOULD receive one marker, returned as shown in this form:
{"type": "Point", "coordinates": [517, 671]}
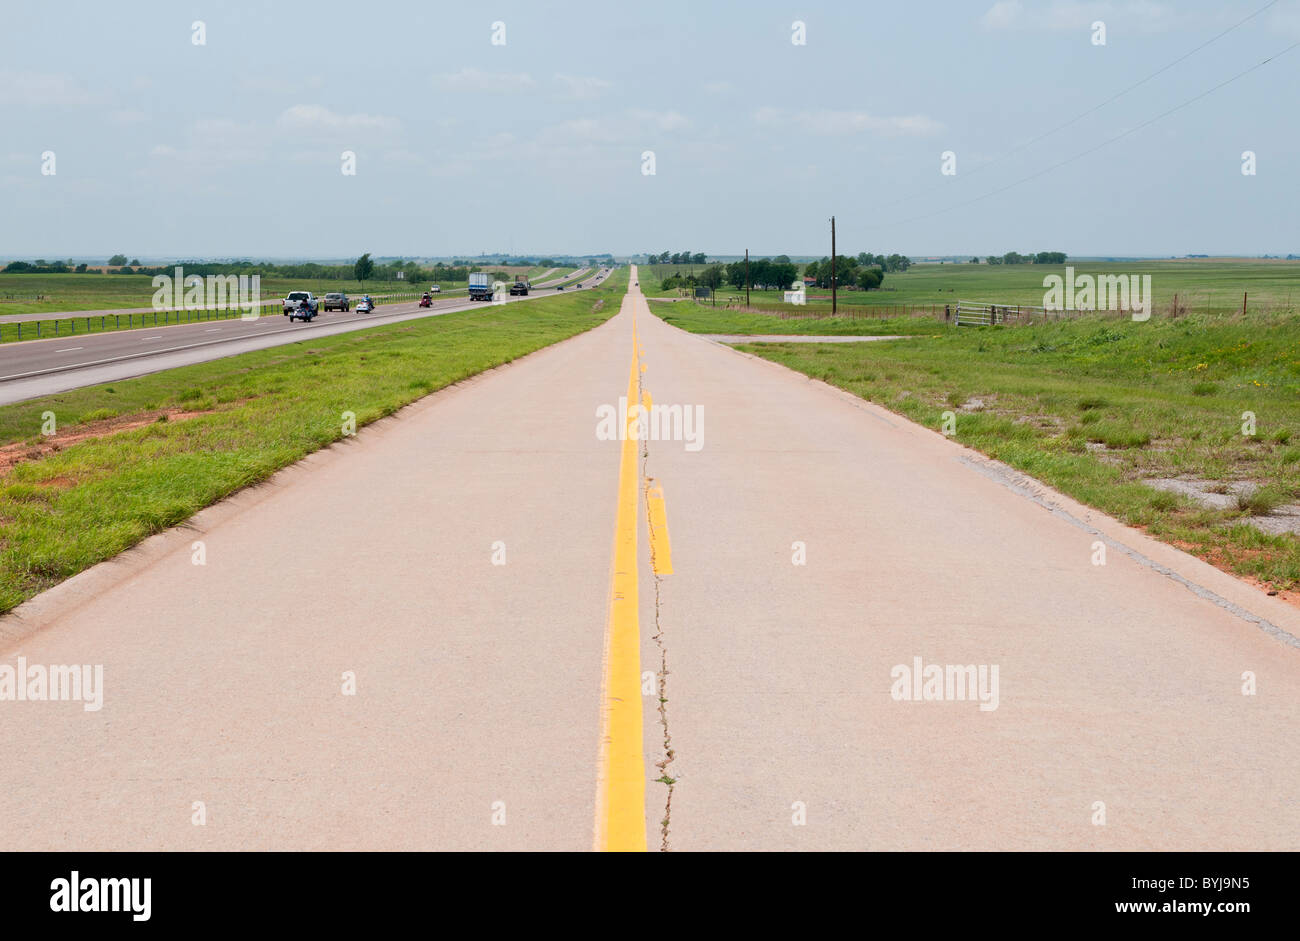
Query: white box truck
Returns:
{"type": "Point", "coordinates": [480, 287]}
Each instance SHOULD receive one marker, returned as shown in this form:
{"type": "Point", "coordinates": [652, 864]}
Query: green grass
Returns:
{"type": "Point", "coordinates": [93, 291]}
{"type": "Point", "coordinates": [111, 323]}
{"type": "Point", "coordinates": [67, 510]}
{"type": "Point", "coordinates": [1095, 408]}
{"type": "Point", "coordinates": [1202, 285]}
{"type": "Point", "coordinates": [701, 318]}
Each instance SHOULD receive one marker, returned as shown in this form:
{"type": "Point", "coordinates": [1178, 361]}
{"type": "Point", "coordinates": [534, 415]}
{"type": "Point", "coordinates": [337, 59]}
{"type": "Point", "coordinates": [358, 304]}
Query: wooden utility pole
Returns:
{"type": "Point", "coordinates": [746, 277]}
{"type": "Point", "coordinates": [834, 292]}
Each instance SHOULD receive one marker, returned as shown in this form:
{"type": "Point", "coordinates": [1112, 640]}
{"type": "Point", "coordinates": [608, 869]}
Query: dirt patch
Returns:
{"type": "Point", "coordinates": [1216, 494]}
{"type": "Point", "coordinates": [1222, 495]}
{"type": "Point", "coordinates": [20, 452]}
{"type": "Point", "coordinates": [1219, 558]}
{"type": "Point", "coordinates": [56, 483]}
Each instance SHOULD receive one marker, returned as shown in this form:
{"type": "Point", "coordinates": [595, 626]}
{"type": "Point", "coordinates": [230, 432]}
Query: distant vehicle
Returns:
{"type": "Point", "coordinates": [579, 284]}
{"type": "Point", "coordinates": [366, 305]}
{"type": "Point", "coordinates": [521, 287]}
{"type": "Point", "coordinates": [337, 301]}
{"type": "Point", "coordinates": [480, 288]}
{"type": "Point", "coordinates": [294, 299]}
{"type": "Point", "coordinates": [559, 287]}
{"type": "Point", "coordinates": [426, 300]}
{"type": "Point", "coordinates": [436, 289]}
{"type": "Point", "coordinates": [304, 311]}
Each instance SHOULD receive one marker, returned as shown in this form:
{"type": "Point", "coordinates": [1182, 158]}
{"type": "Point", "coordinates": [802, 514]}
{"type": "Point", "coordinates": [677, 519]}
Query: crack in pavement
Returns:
{"type": "Point", "coordinates": [658, 637]}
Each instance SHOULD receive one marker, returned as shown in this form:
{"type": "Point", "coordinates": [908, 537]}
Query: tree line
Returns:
{"type": "Point", "coordinates": [677, 258]}
{"type": "Point", "coordinates": [864, 271]}
{"type": "Point", "coordinates": [363, 269]}
{"type": "Point", "coordinates": [1015, 258]}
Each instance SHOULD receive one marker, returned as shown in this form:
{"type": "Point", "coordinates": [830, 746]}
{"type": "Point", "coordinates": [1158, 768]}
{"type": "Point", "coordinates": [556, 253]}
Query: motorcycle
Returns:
{"type": "Point", "coordinates": [426, 301]}
{"type": "Point", "coordinates": [365, 307]}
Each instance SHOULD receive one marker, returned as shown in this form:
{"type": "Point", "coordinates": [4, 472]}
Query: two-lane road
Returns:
{"type": "Point", "coordinates": [486, 623]}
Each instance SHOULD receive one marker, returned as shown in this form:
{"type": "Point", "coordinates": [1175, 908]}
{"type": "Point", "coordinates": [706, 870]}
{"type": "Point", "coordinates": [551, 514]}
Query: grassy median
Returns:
{"type": "Point", "coordinates": [132, 458]}
{"type": "Point", "coordinates": [1110, 412]}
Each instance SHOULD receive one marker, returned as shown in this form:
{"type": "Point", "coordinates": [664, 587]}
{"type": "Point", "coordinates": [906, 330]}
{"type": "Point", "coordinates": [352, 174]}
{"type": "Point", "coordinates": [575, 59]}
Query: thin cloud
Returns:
{"type": "Point", "coordinates": [830, 123]}
{"type": "Point", "coordinates": [1139, 15]}
{"type": "Point", "coordinates": [583, 88]}
{"type": "Point", "coordinates": [320, 118]}
{"type": "Point", "coordinates": [43, 90]}
{"type": "Point", "coordinates": [476, 80]}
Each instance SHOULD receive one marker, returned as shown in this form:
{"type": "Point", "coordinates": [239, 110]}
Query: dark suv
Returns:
{"type": "Point", "coordinates": [337, 301]}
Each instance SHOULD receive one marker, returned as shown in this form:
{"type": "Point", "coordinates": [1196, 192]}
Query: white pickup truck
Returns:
{"type": "Point", "coordinates": [293, 300]}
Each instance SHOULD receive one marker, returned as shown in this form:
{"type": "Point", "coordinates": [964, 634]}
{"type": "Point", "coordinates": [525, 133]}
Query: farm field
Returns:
{"type": "Point", "coordinates": [73, 292]}
{"type": "Point", "coordinates": [1202, 285]}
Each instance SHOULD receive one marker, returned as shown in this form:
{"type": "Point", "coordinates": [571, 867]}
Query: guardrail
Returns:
{"type": "Point", "coordinates": [109, 323]}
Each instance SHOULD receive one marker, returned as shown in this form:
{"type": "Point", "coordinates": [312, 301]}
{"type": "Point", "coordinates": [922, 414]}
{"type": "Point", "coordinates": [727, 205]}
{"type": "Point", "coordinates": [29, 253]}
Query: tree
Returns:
{"type": "Point", "coordinates": [363, 268]}
{"type": "Point", "coordinates": [870, 278]}
{"type": "Point", "coordinates": [712, 276]}
{"type": "Point", "coordinates": [135, 262]}
{"type": "Point", "coordinates": [700, 258]}
{"type": "Point", "coordinates": [117, 260]}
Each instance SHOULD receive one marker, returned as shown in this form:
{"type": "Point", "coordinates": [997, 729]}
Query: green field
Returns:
{"type": "Point", "coordinates": [1098, 407]}
{"type": "Point", "coordinates": [160, 448]}
{"type": "Point", "coordinates": [1202, 285]}
{"type": "Point", "coordinates": [22, 331]}
{"type": "Point", "coordinates": [74, 292]}
{"type": "Point", "coordinates": [71, 292]}
{"type": "Point", "coordinates": [701, 318]}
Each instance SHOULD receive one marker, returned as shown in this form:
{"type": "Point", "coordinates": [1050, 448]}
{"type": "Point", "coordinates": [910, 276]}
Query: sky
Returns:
{"type": "Point", "coordinates": [465, 143]}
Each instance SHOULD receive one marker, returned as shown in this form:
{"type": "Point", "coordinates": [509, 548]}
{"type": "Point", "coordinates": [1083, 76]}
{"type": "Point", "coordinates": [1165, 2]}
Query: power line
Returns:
{"type": "Point", "coordinates": [1079, 117]}
{"type": "Point", "coordinates": [1105, 143]}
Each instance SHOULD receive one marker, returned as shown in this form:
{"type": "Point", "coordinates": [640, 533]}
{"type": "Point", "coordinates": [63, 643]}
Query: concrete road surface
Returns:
{"type": "Point", "coordinates": [707, 640]}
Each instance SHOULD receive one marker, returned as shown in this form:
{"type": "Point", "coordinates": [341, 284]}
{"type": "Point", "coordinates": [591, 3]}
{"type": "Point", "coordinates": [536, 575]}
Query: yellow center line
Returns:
{"type": "Point", "coordinates": [620, 799]}
{"type": "Point", "coordinates": [661, 552]}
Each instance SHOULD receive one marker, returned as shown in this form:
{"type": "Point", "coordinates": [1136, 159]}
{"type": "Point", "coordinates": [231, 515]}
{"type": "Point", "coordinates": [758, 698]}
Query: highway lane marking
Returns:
{"type": "Point", "coordinates": [70, 349]}
{"type": "Point", "coordinates": [143, 339]}
{"type": "Point", "coordinates": [620, 792]}
{"type": "Point", "coordinates": [125, 357]}
{"type": "Point", "coordinates": [245, 336]}
{"type": "Point", "coordinates": [661, 552]}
